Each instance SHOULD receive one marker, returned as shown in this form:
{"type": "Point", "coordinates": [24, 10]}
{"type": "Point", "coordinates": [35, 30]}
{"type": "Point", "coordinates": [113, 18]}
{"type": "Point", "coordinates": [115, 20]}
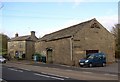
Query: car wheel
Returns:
{"type": "Point", "coordinates": [103, 64]}
{"type": "Point", "coordinates": [90, 65]}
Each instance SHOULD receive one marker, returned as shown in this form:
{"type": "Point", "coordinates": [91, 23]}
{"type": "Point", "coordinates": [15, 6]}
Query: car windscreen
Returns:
{"type": "Point", "coordinates": [91, 56]}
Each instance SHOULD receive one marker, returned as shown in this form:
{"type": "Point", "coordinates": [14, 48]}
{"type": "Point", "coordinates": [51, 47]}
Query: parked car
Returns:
{"type": "Point", "coordinates": [2, 59]}
{"type": "Point", "coordinates": [96, 59]}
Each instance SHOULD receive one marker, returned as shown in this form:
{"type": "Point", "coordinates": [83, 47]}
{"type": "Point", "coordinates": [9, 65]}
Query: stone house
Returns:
{"type": "Point", "coordinates": [68, 45]}
{"type": "Point", "coordinates": [22, 46]}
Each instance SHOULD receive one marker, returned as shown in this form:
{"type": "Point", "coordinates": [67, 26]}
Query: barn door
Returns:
{"type": "Point", "coordinates": [49, 56]}
{"type": "Point", "coordinates": [91, 51]}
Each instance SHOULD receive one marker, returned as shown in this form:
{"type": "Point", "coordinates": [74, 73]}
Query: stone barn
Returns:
{"type": "Point", "coordinates": [68, 45]}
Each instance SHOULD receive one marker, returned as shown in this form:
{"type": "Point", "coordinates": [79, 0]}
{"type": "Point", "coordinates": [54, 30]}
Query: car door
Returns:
{"type": "Point", "coordinates": [96, 60]}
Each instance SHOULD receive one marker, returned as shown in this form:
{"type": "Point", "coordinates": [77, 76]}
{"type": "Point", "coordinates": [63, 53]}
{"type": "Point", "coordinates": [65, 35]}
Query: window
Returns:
{"type": "Point", "coordinates": [91, 56]}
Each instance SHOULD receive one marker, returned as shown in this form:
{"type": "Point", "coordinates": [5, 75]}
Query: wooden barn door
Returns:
{"type": "Point", "coordinates": [49, 56]}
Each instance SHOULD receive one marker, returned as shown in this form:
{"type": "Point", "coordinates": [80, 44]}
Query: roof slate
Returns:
{"type": "Point", "coordinates": [67, 32]}
{"type": "Point", "coordinates": [21, 38]}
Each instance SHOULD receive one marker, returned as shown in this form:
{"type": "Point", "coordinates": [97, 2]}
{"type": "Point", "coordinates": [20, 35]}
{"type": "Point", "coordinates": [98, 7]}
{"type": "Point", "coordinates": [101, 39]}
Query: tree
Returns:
{"type": "Point", "coordinates": [3, 44]}
{"type": "Point", "coordinates": [116, 32]}
{"type": "Point", "coordinates": [118, 46]}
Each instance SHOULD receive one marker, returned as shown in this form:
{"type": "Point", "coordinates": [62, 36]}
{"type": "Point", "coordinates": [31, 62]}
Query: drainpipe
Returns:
{"type": "Point", "coordinates": [71, 49]}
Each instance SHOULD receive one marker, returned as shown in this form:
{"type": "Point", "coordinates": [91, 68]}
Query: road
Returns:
{"type": "Point", "coordinates": [110, 68]}
{"type": "Point", "coordinates": [12, 73]}
{"type": "Point", "coordinates": [79, 75]}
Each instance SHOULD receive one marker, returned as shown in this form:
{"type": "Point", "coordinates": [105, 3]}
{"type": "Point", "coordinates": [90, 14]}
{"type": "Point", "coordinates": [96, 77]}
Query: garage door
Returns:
{"type": "Point", "coordinates": [91, 51]}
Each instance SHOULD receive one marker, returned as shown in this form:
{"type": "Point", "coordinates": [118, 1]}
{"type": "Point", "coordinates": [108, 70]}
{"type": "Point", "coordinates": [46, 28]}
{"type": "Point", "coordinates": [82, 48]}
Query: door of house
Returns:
{"type": "Point", "coordinates": [49, 56]}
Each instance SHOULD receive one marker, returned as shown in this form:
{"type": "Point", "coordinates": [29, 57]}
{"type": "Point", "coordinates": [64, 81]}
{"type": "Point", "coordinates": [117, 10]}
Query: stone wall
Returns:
{"type": "Point", "coordinates": [94, 39]}
{"type": "Point", "coordinates": [30, 49]}
{"type": "Point", "coordinates": [26, 47]}
{"type": "Point", "coordinates": [16, 46]}
{"type": "Point", "coordinates": [61, 50]}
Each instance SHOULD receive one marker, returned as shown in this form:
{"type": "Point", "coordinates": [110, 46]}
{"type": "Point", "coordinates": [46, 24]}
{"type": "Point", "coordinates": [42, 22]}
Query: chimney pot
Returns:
{"type": "Point", "coordinates": [32, 33]}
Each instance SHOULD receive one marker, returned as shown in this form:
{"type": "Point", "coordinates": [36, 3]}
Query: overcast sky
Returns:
{"type": "Point", "coordinates": [48, 16]}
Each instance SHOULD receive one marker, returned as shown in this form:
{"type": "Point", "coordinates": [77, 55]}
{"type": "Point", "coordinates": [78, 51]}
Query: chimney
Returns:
{"type": "Point", "coordinates": [33, 33]}
{"type": "Point", "coordinates": [16, 35]}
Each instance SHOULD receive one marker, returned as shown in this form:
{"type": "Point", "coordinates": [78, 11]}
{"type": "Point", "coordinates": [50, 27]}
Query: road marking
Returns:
{"type": "Point", "coordinates": [110, 74]}
{"type": "Point", "coordinates": [55, 75]}
{"type": "Point", "coordinates": [15, 70]}
{"type": "Point", "coordinates": [19, 70]}
{"type": "Point", "coordinates": [12, 69]}
{"type": "Point", "coordinates": [25, 69]}
{"type": "Point", "coordinates": [41, 75]}
{"type": "Point", "coordinates": [57, 78]}
{"type": "Point", "coordinates": [48, 76]}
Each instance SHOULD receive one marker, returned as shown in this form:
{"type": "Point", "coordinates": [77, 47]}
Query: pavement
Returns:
{"type": "Point", "coordinates": [111, 68]}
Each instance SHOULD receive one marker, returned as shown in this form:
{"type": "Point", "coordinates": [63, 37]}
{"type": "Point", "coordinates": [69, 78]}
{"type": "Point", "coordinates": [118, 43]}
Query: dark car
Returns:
{"type": "Point", "coordinates": [96, 59]}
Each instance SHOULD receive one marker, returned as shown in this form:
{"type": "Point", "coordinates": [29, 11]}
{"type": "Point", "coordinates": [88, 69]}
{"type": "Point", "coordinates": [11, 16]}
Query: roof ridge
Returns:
{"type": "Point", "coordinates": [21, 36]}
{"type": "Point", "coordinates": [70, 27]}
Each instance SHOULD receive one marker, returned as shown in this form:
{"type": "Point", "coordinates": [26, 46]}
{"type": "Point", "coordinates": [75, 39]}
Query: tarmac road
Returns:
{"type": "Point", "coordinates": [79, 75]}
{"type": "Point", "coordinates": [110, 68]}
{"type": "Point", "coordinates": [12, 73]}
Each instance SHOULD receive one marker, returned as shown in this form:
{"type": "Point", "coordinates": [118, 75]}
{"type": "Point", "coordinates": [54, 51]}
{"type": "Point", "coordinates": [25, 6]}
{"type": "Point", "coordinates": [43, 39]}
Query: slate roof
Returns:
{"type": "Point", "coordinates": [67, 32]}
{"type": "Point", "coordinates": [21, 38]}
